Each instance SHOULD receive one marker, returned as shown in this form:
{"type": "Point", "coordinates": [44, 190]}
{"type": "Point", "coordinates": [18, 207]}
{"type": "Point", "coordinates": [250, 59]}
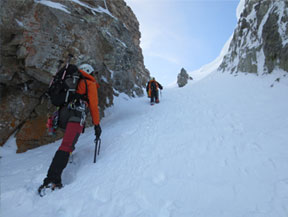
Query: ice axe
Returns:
{"type": "Point", "coordinates": [97, 148]}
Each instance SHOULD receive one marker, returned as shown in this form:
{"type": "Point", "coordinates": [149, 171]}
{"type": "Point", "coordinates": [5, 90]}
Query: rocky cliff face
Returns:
{"type": "Point", "coordinates": [260, 41]}
{"type": "Point", "coordinates": [36, 34]}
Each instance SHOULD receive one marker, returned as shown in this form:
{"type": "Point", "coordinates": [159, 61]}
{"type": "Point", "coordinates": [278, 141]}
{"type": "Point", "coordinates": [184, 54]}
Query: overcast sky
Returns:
{"type": "Point", "coordinates": [182, 33]}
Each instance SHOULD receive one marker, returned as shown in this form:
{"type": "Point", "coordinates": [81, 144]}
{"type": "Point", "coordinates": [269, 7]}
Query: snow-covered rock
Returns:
{"type": "Point", "coordinates": [260, 41]}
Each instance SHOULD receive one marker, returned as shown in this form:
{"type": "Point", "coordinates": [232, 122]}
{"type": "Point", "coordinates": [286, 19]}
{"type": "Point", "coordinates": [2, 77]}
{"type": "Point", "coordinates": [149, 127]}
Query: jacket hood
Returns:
{"type": "Point", "coordinates": [87, 76]}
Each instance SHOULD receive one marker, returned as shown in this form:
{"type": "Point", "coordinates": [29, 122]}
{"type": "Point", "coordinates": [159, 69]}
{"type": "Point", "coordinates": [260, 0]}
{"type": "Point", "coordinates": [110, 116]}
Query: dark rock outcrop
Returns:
{"type": "Point", "coordinates": [182, 78]}
{"type": "Point", "coordinates": [260, 41]}
{"type": "Point", "coordinates": [36, 34]}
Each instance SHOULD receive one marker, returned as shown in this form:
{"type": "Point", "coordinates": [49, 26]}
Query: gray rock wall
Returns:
{"type": "Point", "coordinates": [35, 36]}
{"type": "Point", "coordinates": [260, 41]}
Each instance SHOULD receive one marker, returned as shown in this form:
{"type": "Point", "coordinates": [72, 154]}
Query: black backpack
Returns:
{"type": "Point", "coordinates": [62, 89]}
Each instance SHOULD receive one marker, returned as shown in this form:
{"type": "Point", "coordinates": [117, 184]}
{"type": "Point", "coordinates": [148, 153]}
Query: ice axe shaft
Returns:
{"type": "Point", "coordinates": [97, 148]}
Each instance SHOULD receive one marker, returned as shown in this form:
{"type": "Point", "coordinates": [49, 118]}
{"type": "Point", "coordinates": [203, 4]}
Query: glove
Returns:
{"type": "Point", "coordinates": [98, 131]}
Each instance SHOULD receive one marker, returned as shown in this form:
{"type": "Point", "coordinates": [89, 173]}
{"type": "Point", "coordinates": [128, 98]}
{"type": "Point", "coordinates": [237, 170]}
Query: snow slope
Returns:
{"type": "Point", "coordinates": [215, 148]}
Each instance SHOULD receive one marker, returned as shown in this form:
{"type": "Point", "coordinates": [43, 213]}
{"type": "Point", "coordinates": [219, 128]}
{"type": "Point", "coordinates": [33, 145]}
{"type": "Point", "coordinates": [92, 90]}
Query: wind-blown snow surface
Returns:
{"type": "Point", "coordinates": [215, 148]}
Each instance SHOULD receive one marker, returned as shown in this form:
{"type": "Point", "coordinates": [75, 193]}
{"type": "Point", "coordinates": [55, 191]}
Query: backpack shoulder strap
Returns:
{"type": "Point", "coordinates": [86, 92]}
{"type": "Point", "coordinates": [85, 95]}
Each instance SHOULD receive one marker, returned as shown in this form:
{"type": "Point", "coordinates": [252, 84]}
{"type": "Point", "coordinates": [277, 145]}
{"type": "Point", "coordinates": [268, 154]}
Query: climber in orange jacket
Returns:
{"type": "Point", "coordinates": [72, 120]}
{"type": "Point", "coordinates": [152, 90]}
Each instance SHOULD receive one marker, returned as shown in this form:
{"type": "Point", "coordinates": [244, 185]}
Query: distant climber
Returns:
{"type": "Point", "coordinates": [152, 90]}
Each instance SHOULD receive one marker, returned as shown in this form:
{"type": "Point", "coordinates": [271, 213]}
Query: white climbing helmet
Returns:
{"type": "Point", "coordinates": [86, 68]}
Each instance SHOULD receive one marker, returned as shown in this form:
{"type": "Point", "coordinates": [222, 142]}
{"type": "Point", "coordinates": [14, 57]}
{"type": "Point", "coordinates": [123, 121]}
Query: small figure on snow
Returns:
{"type": "Point", "coordinates": [152, 90]}
{"type": "Point", "coordinates": [72, 115]}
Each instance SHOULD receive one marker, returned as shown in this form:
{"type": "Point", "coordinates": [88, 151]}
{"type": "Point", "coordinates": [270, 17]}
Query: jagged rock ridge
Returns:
{"type": "Point", "coordinates": [260, 41]}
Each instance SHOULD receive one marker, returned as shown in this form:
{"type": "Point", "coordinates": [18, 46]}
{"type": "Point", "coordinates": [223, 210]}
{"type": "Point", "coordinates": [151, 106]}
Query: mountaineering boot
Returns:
{"type": "Point", "coordinates": [56, 186]}
{"type": "Point", "coordinates": [44, 189]}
